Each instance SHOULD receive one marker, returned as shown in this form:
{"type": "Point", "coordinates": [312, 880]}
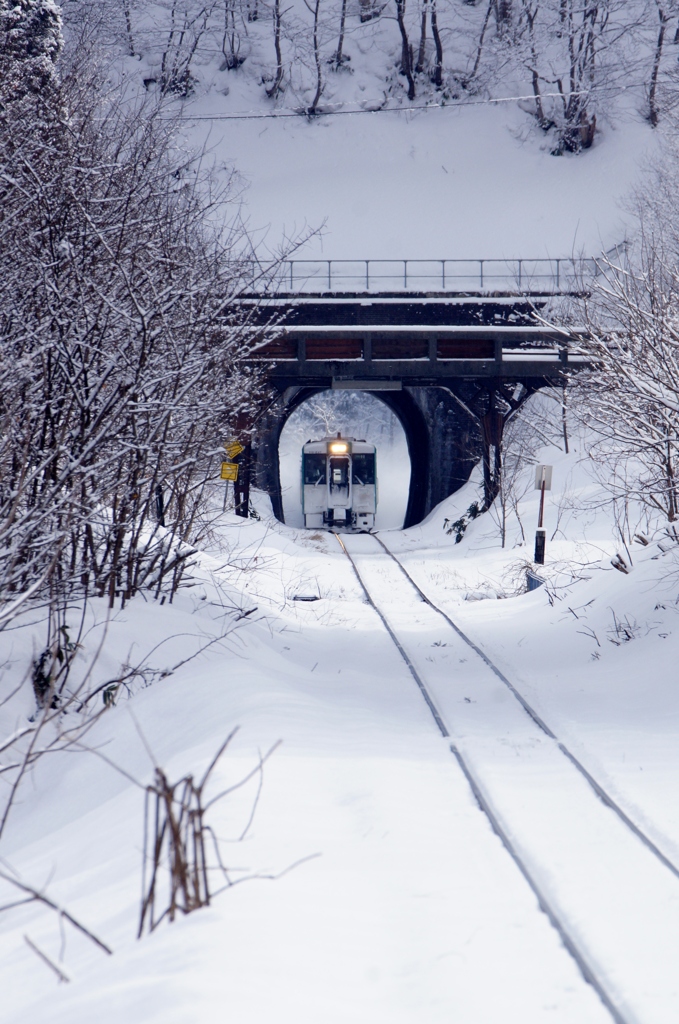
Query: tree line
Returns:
{"type": "Point", "coordinates": [568, 61]}
{"type": "Point", "coordinates": [121, 359]}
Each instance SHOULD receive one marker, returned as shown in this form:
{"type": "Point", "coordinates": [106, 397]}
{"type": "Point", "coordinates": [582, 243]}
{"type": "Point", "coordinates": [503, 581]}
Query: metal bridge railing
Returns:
{"type": "Point", "coordinates": [517, 276]}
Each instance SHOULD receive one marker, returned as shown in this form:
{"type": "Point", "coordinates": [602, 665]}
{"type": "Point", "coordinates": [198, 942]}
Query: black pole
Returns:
{"type": "Point", "coordinates": [539, 547]}
{"type": "Point", "coordinates": [241, 487]}
{"type": "Point", "coordinates": [160, 506]}
{"type": "Point", "coordinates": [540, 533]}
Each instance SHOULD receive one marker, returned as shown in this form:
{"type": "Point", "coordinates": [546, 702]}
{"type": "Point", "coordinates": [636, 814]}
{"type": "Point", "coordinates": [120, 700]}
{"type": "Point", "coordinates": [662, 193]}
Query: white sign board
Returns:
{"type": "Point", "coordinates": [543, 473]}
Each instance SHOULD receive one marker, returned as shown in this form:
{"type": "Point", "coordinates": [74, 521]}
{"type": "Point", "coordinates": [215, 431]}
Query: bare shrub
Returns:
{"type": "Point", "coordinates": [177, 844]}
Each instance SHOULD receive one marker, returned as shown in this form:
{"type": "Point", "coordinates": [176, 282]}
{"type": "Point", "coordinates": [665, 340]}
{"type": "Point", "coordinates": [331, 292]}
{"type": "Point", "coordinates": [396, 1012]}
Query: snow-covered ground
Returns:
{"type": "Point", "coordinates": [457, 183]}
{"type": "Point", "coordinates": [402, 906]}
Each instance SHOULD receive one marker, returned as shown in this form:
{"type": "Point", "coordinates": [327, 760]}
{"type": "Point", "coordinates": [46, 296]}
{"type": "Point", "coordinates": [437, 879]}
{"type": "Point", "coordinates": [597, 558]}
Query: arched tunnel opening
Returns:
{"type": "Point", "coordinates": [438, 446]}
{"type": "Point", "coordinates": [376, 418]}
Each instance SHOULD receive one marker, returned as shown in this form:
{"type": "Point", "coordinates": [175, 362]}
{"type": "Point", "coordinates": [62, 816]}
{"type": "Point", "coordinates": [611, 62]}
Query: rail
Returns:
{"type": "Point", "coordinates": [487, 276]}
{"type": "Point", "coordinates": [598, 789]}
{"type": "Point", "coordinates": [588, 965]}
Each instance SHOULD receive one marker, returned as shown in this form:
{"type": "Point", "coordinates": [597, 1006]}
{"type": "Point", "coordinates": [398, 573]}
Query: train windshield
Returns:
{"type": "Point", "coordinates": [363, 469]}
{"type": "Point", "coordinates": [314, 468]}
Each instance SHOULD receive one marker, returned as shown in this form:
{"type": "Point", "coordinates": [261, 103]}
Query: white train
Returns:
{"type": "Point", "coordinates": [339, 483]}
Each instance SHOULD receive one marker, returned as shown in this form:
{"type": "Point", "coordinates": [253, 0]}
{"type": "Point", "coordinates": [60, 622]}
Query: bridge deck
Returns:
{"type": "Point", "coordinates": [418, 340]}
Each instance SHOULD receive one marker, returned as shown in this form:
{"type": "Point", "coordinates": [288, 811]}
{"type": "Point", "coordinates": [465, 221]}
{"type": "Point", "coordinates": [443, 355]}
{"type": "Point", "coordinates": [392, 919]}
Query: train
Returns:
{"type": "Point", "coordinates": [339, 484]}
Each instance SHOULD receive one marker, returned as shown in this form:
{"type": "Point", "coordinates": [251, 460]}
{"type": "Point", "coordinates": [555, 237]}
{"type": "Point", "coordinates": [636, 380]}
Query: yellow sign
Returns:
{"type": "Point", "coordinates": [229, 471]}
{"type": "Point", "coordinates": [233, 448]}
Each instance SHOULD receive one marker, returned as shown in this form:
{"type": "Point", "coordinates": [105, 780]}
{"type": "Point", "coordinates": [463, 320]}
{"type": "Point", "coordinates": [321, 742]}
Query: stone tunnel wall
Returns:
{"type": "Point", "coordinates": [455, 443]}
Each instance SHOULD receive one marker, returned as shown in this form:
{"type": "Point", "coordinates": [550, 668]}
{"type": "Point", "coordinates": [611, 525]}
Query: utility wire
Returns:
{"type": "Point", "coordinates": [308, 112]}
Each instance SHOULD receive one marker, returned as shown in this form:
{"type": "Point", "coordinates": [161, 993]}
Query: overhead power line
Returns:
{"type": "Point", "coordinates": [253, 115]}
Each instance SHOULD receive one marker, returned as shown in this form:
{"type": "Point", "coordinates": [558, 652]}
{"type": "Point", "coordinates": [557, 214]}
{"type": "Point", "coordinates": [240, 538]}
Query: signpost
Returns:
{"type": "Point", "coordinates": [228, 472]}
{"type": "Point", "coordinates": [543, 482]}
{"type": "Point", "coordinates": [238, 472]}
{"type": "Point", "coordinates": [233, 449]}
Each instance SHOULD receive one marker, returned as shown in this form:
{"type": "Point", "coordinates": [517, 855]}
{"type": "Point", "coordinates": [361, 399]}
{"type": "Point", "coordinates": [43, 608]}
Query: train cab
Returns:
{"type": "Point", "coordinates": [339, 484]}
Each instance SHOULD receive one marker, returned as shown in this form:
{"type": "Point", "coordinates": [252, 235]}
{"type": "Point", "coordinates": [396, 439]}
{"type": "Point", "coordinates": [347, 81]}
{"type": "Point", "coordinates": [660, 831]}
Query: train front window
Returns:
{"type": "Point", "coordinates": [339, 473]}
{"type": "Point", "coordinates": [363, 469]}
{"type": "Point", "coordinates": [314, 468]}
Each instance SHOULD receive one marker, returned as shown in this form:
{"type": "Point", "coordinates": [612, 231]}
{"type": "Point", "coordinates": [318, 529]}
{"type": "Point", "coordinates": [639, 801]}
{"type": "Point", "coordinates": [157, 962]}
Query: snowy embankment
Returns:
{"type": "Point", "coordinates": [592, 649]}
{"type": "Point", "coordinates": [458, 183]}
{"type": "Point", "coordinates": [402, 905]}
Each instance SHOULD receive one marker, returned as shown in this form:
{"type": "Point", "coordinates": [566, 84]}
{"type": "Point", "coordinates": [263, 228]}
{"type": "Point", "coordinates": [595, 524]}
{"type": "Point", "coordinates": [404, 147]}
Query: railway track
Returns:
{"type": "Point", "coordinates": [598, 789]}
{"type": "Point", "coordinates": [578, 800]}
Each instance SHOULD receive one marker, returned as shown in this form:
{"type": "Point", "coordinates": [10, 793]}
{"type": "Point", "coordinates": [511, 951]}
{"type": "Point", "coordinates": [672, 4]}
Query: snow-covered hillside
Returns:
{"type": "Point", "coordinates": [460, 172]}
{"type": "Point", "coordinates": [461, 183]}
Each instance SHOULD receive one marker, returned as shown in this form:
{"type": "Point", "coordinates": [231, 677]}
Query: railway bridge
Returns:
{"type": "Point", "coordinates": [453, 347]}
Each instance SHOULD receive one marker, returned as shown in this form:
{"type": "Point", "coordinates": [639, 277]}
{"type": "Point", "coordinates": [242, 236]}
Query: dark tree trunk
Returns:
{"type": "Point", "coordinates": [128, 27]}
{"type": "Point", "coordinates": [479, 49]}
{"type": "Point", "coordinates": [419, 67]}
{"type": "Point", "coordinates": [438, 66]}
{"type": "Point", "coordinates": [406, 52]}
{"type": "Point", "coordinates": [653, 87]}
{"type": "Point", "coordinates": [503, 15]}
{"type": "Point", "coordinates": [339, 58]}
{"type": "Point", "coordinates": [275, 88]}
{"type": "Point", "coordinates": [317, 60]}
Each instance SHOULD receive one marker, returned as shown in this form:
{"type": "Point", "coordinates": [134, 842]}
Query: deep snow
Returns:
{"type": "Point", "coordinates": [457, 183]}
{"type": "Point", "coordinates": [413, 911]}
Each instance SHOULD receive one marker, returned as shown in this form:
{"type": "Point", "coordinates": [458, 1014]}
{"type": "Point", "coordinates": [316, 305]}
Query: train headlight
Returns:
{"type": "Point", "coordinates": [339, 447]}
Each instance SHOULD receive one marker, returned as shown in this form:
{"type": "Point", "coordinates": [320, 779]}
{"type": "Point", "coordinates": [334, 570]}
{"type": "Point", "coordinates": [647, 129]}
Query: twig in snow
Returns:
{"type": "Point", "coordinates": [46, 960]}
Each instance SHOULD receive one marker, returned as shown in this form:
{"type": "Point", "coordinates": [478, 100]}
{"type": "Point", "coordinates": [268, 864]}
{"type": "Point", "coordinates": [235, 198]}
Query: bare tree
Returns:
{"type": "Point", "coordinates": [630, 397]}
{"type": "Point", "coordinates": [666, 10]}
{"type": "Point", "coordinates": [234, 25]}
{"type": "Point", "coordinates": [275, 87]}
{"type": "Point", "coordinates": [127, 12]}
{"type": "Point", "coordinates": [576, 50]}
{"type": "Point", "coordinates": [504, 10]}
{"type": "Point", "coordinates": [437, 77]}
{"type": "Point", "coordinates": [314, 9]}
{"type": "Point", "coordinates": [469, 78]}
{"type": "Point", "coordinates": [188, 24]}
{"type": "Point", "coordinates": [339, 58]}
{"type": "Point", "coordinates": [419, 64]}
{"type": "Point", "coordinates": [121, 344]}
{"type": "Point", "coordinates": [406, 48]}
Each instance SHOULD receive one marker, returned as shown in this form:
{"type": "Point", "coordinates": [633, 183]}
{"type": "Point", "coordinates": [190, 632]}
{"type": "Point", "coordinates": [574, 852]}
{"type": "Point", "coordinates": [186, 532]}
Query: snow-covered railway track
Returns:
{"type": "Point", "coordinates": [605, 886]}
{"type": "Point", "coordinates": [596, 786]}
